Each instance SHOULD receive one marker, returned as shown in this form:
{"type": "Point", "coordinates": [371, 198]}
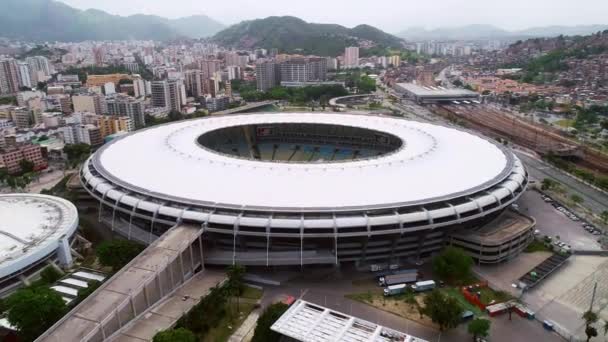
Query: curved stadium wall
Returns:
{"type": "Point", "coordinates": [243, 224]}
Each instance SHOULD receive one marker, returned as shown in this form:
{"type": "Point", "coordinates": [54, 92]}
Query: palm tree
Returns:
{"type": "Point", "coordinates": [235, 281]}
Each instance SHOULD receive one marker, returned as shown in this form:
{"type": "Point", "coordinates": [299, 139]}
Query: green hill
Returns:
{"type": "Point", "coordinates": [49, 20]}
{"type": "Point", "coordinates": [291, 34]}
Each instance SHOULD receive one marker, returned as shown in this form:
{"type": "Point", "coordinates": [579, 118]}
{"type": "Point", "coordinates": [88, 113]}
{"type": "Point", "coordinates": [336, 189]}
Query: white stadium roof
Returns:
{"type": "Point", "coordinates": [435, 162]}
{"type": "Point", "coordinates": [30, 228]}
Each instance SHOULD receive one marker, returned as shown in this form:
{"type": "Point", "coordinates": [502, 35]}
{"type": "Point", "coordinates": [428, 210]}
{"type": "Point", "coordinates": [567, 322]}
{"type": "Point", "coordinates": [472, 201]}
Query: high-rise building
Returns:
{"type": "Point", "coordinates": [40, 68]}
{"type": "Point", "coordinates": [351, 57]}
{"type": "Point", "coordinates": [109, 124]}
{"type": "Point", "coordinates": [122, 105]}
{"type": "Point", "coordinates": [317, 69]}
{"type": "Point", "coordinates": [92, 103]}
{"type": "Point", "coordinates": [209, 66]}
{"type": "Point", "coordinates": [395, 61]}
{"type": "Point", "coordinates": [160, 94]}
{"type": "Point", "coordinates": [9, 76]}
{"type": "Point", "coordinates": [193, 82]}
{"type": "Point", "coordinates": [267, 74]}
{"type": "Point", "coordinates": [81, 134]}
{"type": "Point", "coordinates": [99, 55]}
{"type": "Point", "coordinates": [109, 88]}
{"type": "Point", "coordinates": [22, 118]}
{"type": "Point", "coordinates": [294, 70]}
{"type": "Point", "coordinates": [168, 94]}
{"type": "Point", "coordinates": [234, 73]}
{"type": "Point", "coordinates": [139, 87]}
{"type": "Point", "coordinates": [218, 103]}
{"type": "Point", "coordinates": [25, 75]}
{"type": "Point", "coordinates": [228, 89]}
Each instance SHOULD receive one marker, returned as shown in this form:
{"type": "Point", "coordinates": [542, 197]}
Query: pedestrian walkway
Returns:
{"type": "Point", "coordinates": [165, 313]}
{"type": "Point", "coordinates": [245, 332]}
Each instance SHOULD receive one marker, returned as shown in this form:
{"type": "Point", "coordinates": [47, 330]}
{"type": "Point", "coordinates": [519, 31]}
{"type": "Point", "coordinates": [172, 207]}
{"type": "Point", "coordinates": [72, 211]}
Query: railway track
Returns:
{"type": "Point", "coordinates": [500, 124]}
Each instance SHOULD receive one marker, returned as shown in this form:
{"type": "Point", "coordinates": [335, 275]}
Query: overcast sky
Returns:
{"type": "Point", "coordinates": [389, 15]}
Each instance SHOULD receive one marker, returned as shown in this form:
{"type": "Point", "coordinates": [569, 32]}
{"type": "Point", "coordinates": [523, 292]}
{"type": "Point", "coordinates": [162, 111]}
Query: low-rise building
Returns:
{"type": "Point", "coordinates": [11, 157]}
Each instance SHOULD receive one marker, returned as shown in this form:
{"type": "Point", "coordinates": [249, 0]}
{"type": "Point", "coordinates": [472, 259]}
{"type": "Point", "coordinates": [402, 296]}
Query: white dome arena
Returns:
{"type": "Point", "coordinates": [32, 228]}
{"type": "Point", "coordinates": [299, 175]}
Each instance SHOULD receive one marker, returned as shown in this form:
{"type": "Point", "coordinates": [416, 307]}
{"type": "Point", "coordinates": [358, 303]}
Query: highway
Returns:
{"type": "Point", "coordinates": [595, 200]}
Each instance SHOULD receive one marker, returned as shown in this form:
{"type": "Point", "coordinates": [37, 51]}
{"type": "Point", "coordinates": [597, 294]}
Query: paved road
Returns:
{"type": "Point", "coordinates": [554, 223]}
{"type": "Point", "coordinates": [327, 288]}
{"type": "Point", "coordinates": [594, 199]}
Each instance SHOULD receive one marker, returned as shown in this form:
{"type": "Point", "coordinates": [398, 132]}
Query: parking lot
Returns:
{"type": "Point", "coordinates": [555, 223]}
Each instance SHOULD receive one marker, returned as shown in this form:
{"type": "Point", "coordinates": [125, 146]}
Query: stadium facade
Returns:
{"type": "Point", "coordinates": [308, 188]}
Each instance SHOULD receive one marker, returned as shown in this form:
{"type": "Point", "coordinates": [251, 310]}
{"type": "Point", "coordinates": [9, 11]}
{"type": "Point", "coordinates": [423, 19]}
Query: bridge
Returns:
{"type": "Point", "coordinates": [171, 264]}
{"type": "Point", "coordinates": [247, 107]}
{"type": "Point", "coordinates": [344, 101]}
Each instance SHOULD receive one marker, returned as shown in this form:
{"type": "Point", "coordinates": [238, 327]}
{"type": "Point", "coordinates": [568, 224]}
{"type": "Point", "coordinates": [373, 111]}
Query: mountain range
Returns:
{"type": "Point", "coordinates": [48, 20]}
{"type": "Point", "coordinates": [473, 32]}
{"type": "Point", "coordinates": [291, 34]}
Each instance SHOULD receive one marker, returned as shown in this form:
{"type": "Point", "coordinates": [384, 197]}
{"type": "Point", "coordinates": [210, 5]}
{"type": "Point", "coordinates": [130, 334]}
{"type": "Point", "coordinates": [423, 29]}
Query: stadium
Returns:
{"type": "Point", "coordinates": [34, 231]}
{"type": "Point", "coordinates": [311, 188]}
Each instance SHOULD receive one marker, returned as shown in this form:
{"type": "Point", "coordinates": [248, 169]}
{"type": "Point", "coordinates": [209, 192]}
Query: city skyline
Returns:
{"type": "Point", "coordinates": [431, 14]}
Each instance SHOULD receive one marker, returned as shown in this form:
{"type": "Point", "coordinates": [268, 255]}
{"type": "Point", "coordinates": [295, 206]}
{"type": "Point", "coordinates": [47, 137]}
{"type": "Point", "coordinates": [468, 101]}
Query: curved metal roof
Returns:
{"type": "Point", "coordinates": [30, 228]}
{"type": "Point", "coordinates": [435, 163]}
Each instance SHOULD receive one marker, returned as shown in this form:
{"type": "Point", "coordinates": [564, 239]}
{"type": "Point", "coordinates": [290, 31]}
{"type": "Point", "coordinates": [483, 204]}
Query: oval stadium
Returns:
{"type": "Point", "coordinates": [313, 188]}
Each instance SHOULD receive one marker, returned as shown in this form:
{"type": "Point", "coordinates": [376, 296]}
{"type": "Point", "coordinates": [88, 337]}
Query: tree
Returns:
{"type": "Point", "coordinates": [235, 281]}
{"type": "Point", "coordinates": [603, 215]}
{"type": "Point", "coordinates": [452, 264]}
{"type": "Point", "coordinates": [576, 199]}
{"type": "Point", "coordinates": [85, 292]}
{"type": "Point", "coordinates": [175, 335]}
{"type": "Point", "coordinates": [591, 332]}
{"type": "Point", "coordinates": [50, 275]}
{"type": "Point", "coordinates": [590, 318]}
{"type": "Point", "coordinates": [33, 310]}
{"type": "Point", "coordinates": [269, 316]}
{"type": "Point", "coordinates": [547, 184]}
{"type": "Point", "coordinates": [479, 327]}
{"type": "Point", "coordinates": [443, 310]}
{"type": "Point", "coordinates": [76, 153]}
{"type": "Point", "coordinates": [117, 253]}
{"type": "Point", "coordinates": [26, 166]}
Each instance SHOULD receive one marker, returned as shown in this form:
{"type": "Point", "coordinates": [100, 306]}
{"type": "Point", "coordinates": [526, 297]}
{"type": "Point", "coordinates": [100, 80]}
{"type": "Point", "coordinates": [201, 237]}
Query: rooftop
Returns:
{"type": "Point", "coordinates": [434, 163]}
{"type": "Point", "coordinates": [30, 228]}
{"type": "Point", "coordinates": [423, 91]}
{"type": "Point", "coordinates": [305, 321]}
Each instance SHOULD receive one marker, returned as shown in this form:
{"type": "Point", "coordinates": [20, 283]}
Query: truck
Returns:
{"type": "Point", "coordinates": [424, 286]}
{"type": "Point", "coordinates": [404, 276]}
{"type": "Point", "coordinates": [394, 289]}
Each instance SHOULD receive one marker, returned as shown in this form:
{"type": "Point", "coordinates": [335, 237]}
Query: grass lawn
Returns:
{"type": "Point", "coordinates": [251, 293]}
{"type": "Point", "coordinates": [565, 123]}
{"type": "Point", "coordinates": [488, 295]}
{"type": "Point", "coordinates": [393, 304]}
{"type": "Point", "coordinates": [537, 246]}
{"type": "Point", "coordinates": [228, 325]}
{"type": "Point", "coordinates": [455, 293]}
{"type": "Point", "coordinates": [233, 320]}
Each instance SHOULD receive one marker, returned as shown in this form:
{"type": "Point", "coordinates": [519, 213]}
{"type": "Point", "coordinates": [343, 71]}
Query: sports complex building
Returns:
{"type": "Point", "coordinates": [35, 230]}
{"type": "Point", "coordinates": [311, 188]}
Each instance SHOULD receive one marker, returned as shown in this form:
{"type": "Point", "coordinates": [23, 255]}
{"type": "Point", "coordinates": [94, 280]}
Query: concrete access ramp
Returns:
{"type": "Point", "coordinates": [154, 275]}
